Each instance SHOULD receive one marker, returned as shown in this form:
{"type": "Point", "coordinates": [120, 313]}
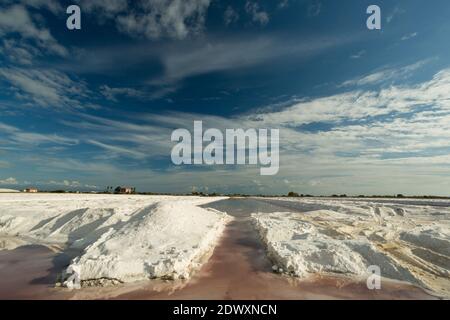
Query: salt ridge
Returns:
{"type": "Point", "coordinates": [408, 241]}
{"type": "Point", "coordinates": [122, 238]}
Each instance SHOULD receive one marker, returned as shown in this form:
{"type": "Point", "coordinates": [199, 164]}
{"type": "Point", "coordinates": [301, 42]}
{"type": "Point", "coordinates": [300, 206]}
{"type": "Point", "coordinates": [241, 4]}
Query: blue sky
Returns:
{"type": "Point", "coordinates": [359, 111]}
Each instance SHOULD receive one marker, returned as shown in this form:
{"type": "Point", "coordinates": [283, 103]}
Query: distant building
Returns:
{"type": "Point", "coordinates": [31, 190]}
{"type": "Point", "coordinates": [125, 190]}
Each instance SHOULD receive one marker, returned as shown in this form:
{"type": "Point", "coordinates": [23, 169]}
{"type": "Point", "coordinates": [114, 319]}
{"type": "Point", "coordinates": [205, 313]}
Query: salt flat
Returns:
{"type": "Point", "coordinates": [408, 239]}
{"type": "Point", "coordinates": [119, 237]}
{"type": "Point", "coordinates": [130, 238]}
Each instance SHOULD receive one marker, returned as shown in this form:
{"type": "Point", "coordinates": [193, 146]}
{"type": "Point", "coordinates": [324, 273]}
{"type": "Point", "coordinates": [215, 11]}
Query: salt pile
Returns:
{"type": "Point", "coordinates": [166, 240]}
{"type": "Point", "coordinates": [409, 242]}
{"type": "Point", "coordinates": [121, 238]}
{"type": "Point", "coordinates": [8, 191]}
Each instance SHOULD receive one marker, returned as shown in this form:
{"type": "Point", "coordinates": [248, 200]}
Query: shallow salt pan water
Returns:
{"type": "Point", "coordinates": [30, 272]}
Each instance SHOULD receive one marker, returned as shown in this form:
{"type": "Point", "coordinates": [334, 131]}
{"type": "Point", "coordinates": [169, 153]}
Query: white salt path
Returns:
{"type": "Point", "coordinates": [408, 241]}
{"type": "Point", "coordinates": [122, 238]}
{"type": "Point", "coordinates": [8, 191]}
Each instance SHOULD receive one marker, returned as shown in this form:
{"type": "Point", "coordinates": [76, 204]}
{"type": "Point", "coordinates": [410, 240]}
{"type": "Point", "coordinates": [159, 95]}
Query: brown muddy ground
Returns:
{"type": "Point", "coordinates": [237, 269]}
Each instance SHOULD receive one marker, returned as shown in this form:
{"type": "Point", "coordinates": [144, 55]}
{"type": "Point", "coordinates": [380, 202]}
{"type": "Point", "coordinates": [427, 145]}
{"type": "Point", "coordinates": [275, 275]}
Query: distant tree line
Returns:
{"type": "Point", "coordinates": [290, 194]}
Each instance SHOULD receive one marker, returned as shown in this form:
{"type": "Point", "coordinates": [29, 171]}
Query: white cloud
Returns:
{"type": "Point", "coordinates": [153, 18]}
{"type": "Point", "coordinates": [361, 105]}
{"type": "Point", "coordinates": [143, 139]}
{"type": "Point", "coordinates": [394, 13]}
{"type": "Point", "coordinates": [17, 20]}
{"type": "Point", "coordinates": [258, 15]}
{"type": "Point", "coordinates": [283, 4]}
{"type": "Point", "coordinates": [315, 9]}
{"type": "Point", "coordinates": [409, 36]}
{"type": "Point", "coordinates": [47, 88]}
{"type": "Point", "coordinates": [234, 54]}
{"type": "Point", "coordinates": [183, 59]}
{"type": "Point", "coordinates": [69, 164]}
{"type": "Point", "coordinates": [19, 52]}
{"type": "Point", "coordinates": [387, 74]}
{"type": "Point", "coordinates": [105, 9]}
{"type": "Point", "coordinates": [69, 183]}
{"type": "Point", "coordinates": [52, 5]}
{"type": "Point", "coordinates": [386, 130]}
{"type": "Point", "coordinates": [9, 181]}
{"type": "Point", "coordinates": [66, 183]}
{"type": "Point", "coordinates": [113, 93]}
{"type": "Point", "coordinates": [358, 55]}
{"type": "Point", "coordinates": [19, 137]}
{"type": "Point", "coordinates": [118, 150]}
{"type": "Point", "coordinates": [230, 16]}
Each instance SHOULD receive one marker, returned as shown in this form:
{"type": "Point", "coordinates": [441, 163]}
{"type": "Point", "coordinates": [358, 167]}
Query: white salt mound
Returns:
{"type": "Point", "coordinates": [121, 238]}
{"type": "Point", "coordinates": [9, 191]}
{"type": "Point", "coordinates": [166, 240]}
{"type": "Point", "coordinates": [409, 242]}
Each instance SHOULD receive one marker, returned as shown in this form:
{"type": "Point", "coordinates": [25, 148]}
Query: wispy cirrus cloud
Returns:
{"type": "Point", "coordinates": [20, 137]}
{"type": "Point", "coordinates": [46, 88]}
{"type": "Point", "coordinates": [113, 93]}
{"type": "Point", "coordinates": [17, 20]}
{"type": "Point", "coordinates": [53, 6]}
{"type": "Point", "coordinates": [258, 15]}
{"type": "Point", "coordinates": [358, 55]}
{"type": "Point", "coordinates": [233, 54]}
{"type": "Point", "coordinates": [314, 9]}
{"type": "Point", "coordinates": [409, 36]}
{"type": "Point", "coordinates": [66, 183]}
{"type": "Point", "coordinates": [119, 150]}
{"type": "Point", "coordinates": [394, 13]}
{"type": "Point", "coordinates": [9, 181]}
{"type": "Point", "coordinates": [19, 52]}
{"type": "Point", "coordinates": [184, 59]}
{"type": "Point", "coordinates": [152, 19]}
{"type": "Point", "coordinates": [387, 74]}
{"type": "Point", "coordinates": [230, 15]}
{"type": "Point", "coordinates": [147, 93]}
